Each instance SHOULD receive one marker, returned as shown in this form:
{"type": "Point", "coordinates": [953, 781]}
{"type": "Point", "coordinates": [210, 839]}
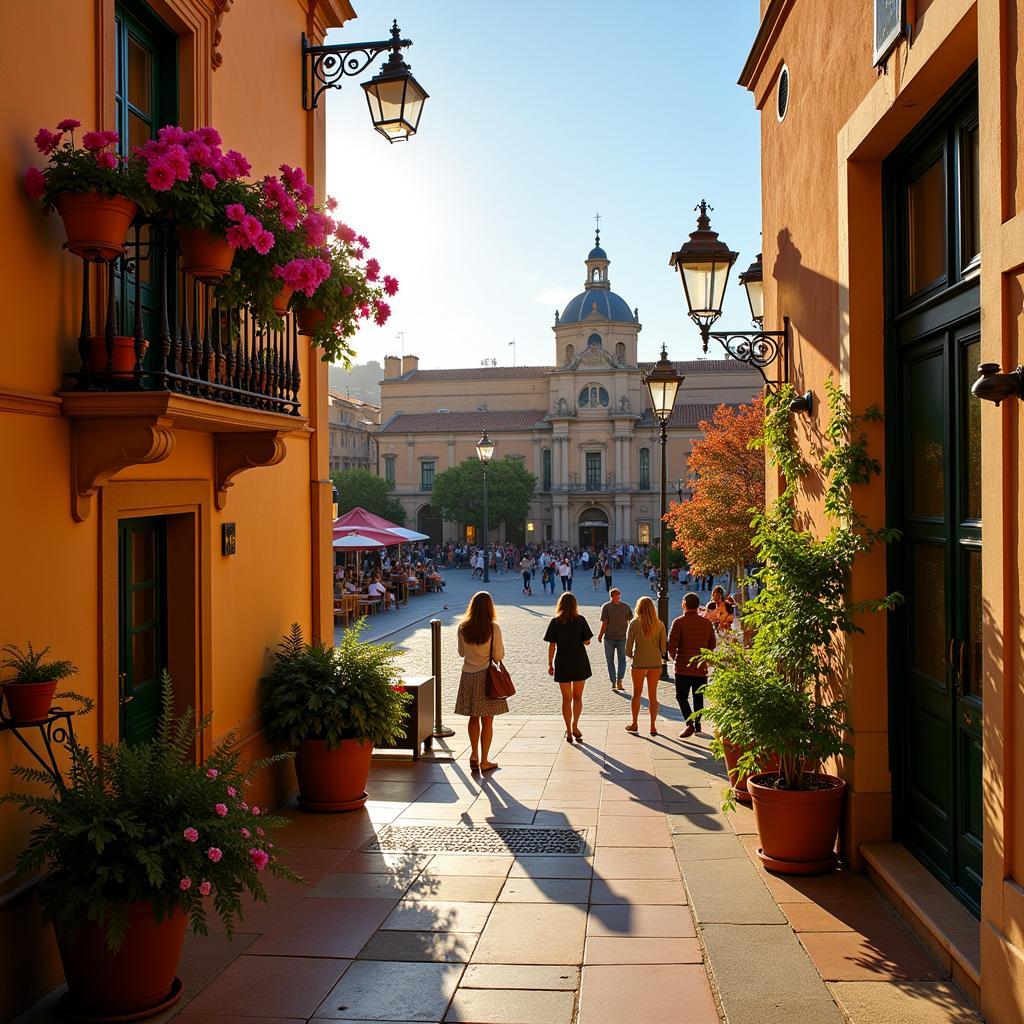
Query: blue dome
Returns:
{"type": "Point", "coordinates": [609, 305]}
{"type": "Point", "coordinates": [597, 253]}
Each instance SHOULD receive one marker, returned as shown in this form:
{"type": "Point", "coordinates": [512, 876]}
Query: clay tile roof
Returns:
{"type": "Point", "coordinates": [477, 373]}
{"type": "Point", "coordinates": [462, 422]}
{"type": "Point", "coordinates": [686, 416]}
{"type": "Point", "coordinates": [705, 366]}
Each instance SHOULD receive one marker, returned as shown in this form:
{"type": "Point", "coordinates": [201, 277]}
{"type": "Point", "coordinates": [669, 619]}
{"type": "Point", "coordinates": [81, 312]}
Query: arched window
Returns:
{"type": "Point", "coordinates": [546, 470]}
{"type": "Point", "coordinates": [620, 351]}
{"type": "Point", "coordinates": [645, 469]}
{"type": "Point", "coordinates": [595, 274]}
{"type": "Point", "coordinates": [594, 341]}
{"type": "Point", "coordinates": [570, 353]}
{"type": "Point", "coordinates": [593, 396]}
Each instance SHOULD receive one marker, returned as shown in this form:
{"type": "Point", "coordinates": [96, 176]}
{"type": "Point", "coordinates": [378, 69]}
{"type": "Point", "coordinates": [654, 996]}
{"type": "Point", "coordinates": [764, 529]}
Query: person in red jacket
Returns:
{"type": "Point", "coordinates": [690, 634]}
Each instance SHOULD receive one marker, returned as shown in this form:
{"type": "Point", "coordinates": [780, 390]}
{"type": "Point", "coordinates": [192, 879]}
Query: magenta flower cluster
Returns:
{"type": "Point", "coordinates": [247, 231]}
{"type": "Point", "coordinates": [176, 155]}
{"type": "Point", "coordinates": [305, 274]}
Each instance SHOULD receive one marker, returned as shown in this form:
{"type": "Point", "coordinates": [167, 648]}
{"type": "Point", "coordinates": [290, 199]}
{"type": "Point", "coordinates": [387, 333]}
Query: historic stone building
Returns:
{"type": "Point", "coordinates": [582, 425]}
{"type": "Point", "coordinates": [352, 424]}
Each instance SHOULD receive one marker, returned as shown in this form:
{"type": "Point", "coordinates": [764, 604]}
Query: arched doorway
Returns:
{"type": "Point", "coordinates": [430, 523]}
{"type": "Point", "coordinates": [593, 528]}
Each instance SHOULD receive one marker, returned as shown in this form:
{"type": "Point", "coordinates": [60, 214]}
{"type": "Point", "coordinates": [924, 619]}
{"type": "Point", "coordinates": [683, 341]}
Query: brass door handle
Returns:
{"type": "Point", "coordinates": [122, 684]}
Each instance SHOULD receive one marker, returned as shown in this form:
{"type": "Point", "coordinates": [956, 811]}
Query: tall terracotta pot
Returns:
{"type": "Point", "coordinates": [137, 981]}
{"type": "Point", "coordinates": [333, 780]}
{"type": "Point", "coordinates": [281, 300]}
{"type": "Point", "coordinates": [96, 225]}
{"type": "Point", "coordinates": [733, 754]}
{"type": "Point", "coordinates": [123, 358]}
{"type": "Point", "coordinates": [207, 256]}
{"type": "Point", "coordinates": [29, 703]}
{"type": "Point", "coordinates": [309, 319]}
{"type": "Point", "coordinates": [797, 828]}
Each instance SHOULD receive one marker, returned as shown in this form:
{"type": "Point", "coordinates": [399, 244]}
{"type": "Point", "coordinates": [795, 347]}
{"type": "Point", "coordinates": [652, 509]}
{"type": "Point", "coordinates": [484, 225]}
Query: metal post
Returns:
{"type": "Point", "coordinates": [440, 729]}
{"type": "Point", "coordinates": [663, 573]}
{"type": "Point", "coordinates": [487, 543]}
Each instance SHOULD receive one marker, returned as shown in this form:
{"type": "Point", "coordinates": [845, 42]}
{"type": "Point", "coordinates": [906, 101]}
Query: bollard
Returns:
{"type": "Point", "coordinates": [440, 729]}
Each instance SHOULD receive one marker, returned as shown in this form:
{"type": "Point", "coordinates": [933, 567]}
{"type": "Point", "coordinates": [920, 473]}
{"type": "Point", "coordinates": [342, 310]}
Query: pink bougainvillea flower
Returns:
{"type": "Point", "coordinates": [246, 834]}
{"type": "Point", "coordinates": [244, 805]}
{"type": "Point", "coordinates": [260, 831]}
{"type": "Point", "coordinates": [264, 243]}
{"type": "Point", "coordinates": [199, 153]}
{"type": "Point", "coordinates": [256, 811]}
{"type": "Point", "coordinates": [274, 192]}
{"type": "Point", "coordinates": [390, 284]}
{"type": "Point", "coordinates": [260, 858]}
{"type": "Point", "coordinates": [208, 179]}
{"type": "Point", "coordinates": [345, 233]}
{"type": "Point", "coordinates": [358, 253]}
{"type": "Point", "coordinates": [294, 177]}
{"type": "Point", "coordinates": [173, 134]}
{"type": "Point", "coordinates": [381, 313]}
{"type": "Point", "coordinates": [318, 227]}
{"type": "Point", "coordinates": [234, 211]}
{"type": "Point", "coordinates": [364, 311]}
{"type": "Point", "coordinates": [235, 237]}
{"type": "Point", "coordinates": [160, 176]}
{"type": "Point", "coordinates": [232, 791]}
{"type": "Point", "coordinates": [68, 124]}
{"type": "Point", "coordinates": [221, 809]}
{"type": "Point", "coordinates": [191, 834]}
{"type": "Point", "coordinates": [185, 884]}
{"type": "Point", "coordinates": [179, 162]}
{"type": "Point", "coordinates": [346, 291]}
{"type": "Point", "coordinates": [332, 203]}
{"type": "Point", "coordinates": [46, 141]}
{"type": "Point", "coordinates": [214, 854]}
{"type": "Point", "coordinates": [112, 138]}
{"type": "Point", "coordinates": [209, 135]}
{"type": "Point", "coordinates": [35, 182]}
{"type": "Point", "coordinates": [290, 216]}
{"type": "Point", "coordinates": [106, 159]}
{"type": "Point", "coordinates": [372, 270]}
{"type": "Point", "coordinates": [205, 888]}
{"type": "Point", "coordinates": [252, 228]}
{"type": "Point", "coordinates": [242, 166]}
{"type": "Point", "coordinates": [94, 140]}
{"type": "Point", "coordinates": [363, 241]}
{"type": "Point", "coordinates": [212, 773]}
{"type": "Point", "coordinates": [307, 194]}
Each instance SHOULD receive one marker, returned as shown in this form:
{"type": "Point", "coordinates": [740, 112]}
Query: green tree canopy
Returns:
{"type": "Point", "coordinates": [458, 493]}
{"type": "Point", "coordinates": [359, 488]}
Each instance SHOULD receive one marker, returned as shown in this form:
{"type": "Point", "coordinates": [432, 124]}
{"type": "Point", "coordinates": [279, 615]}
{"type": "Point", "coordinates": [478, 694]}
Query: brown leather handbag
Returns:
{"type": "Point", "coordinates": [499, 682]}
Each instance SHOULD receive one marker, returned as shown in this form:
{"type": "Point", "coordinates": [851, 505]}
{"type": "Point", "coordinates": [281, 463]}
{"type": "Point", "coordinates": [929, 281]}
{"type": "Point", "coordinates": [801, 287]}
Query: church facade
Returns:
{"type": "Point", "coordinates": [582, 426]}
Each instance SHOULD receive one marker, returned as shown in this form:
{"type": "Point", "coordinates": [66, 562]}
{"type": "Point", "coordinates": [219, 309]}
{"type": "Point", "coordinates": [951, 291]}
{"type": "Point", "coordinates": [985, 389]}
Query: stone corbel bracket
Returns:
{"type": "Point", "coordinates": [235, 453]}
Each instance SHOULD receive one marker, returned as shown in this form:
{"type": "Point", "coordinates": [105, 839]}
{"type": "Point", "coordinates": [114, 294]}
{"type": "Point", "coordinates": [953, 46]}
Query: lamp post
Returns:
{"type": "Point", "coordinates": [704, 263]}
{"type": "Point", "coordinates": [394, 97]}
{"type": "Point", "coordinates": [663, 385]}
{"type": "Point", "coordinates": [485, 452]}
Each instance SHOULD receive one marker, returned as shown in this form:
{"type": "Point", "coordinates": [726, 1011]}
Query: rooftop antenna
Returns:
{"type": "Point", "coordinates": [513, 344]}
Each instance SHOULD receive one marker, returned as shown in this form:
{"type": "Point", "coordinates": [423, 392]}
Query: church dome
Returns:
{"type": "Point", "coordinates": [609, 305]}
{"type": "Point", "coordinates": [597, 253]}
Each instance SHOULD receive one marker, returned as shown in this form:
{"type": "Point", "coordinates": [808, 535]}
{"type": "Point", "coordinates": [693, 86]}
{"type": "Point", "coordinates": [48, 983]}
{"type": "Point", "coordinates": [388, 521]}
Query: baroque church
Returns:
{"type": "Point", "coordinates": [583, 426]}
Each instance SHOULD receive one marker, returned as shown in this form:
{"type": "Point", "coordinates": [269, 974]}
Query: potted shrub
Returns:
{"type": "Point", "coordinates": [140, 842]}
{"type": "Point", "coordinates": [331, 705]}
{"type": "Point", "coordinates": [353, 291]}
{"type": "Point", "coordinates": [782, 695]}
{"type": "Point", "coordinates": [96, 191]}
{"type": "Point", "coordinates": [30, 691]}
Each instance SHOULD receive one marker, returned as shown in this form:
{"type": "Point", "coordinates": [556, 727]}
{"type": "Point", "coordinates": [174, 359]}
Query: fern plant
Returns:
{"type": "Point", "coordinates": [352, 691]}
{"type": "Point", "coordinates": [30, 666]}
{"type": "Point", "coordinates": [146, 823]}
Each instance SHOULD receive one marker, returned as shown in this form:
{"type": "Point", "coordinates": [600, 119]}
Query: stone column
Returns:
{"type": "Point", "coordinates": [451, 452]}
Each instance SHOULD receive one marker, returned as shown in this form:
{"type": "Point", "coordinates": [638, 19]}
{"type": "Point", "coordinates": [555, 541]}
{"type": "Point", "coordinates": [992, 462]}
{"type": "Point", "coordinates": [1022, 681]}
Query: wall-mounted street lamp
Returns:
{"type": "Point", "coordinates": [663, 383]}
{"type": "Point", "coordinates": [485, 452]}
{"type": "Point", "coordinates": [394, 97]}
{"type": "Point", "coordinates": [704, 263]}
{"type": "Point", "coordinates": [994, 386]}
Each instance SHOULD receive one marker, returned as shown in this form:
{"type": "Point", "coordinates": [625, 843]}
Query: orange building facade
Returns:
{"type": "Point", "coordinates": [893, 225]}
{"type": "Point", "coordinates": [143, 528]}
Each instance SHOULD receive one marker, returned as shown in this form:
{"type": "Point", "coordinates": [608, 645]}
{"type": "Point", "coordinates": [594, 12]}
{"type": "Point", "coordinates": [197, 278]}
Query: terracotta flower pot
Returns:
{"type": "Point", "coordinates": [733, 754]}
{"type": "Point", "coordinates": [332, 780]}
{"type": "Point", "coordinates": [207, 256]}
{"type": "Point", "coordinates": [96, 225]}
{"type": "Point", "coordinates": [281, 300]}
{"type": "Point", "coordinates": [28, 703]}
{"type": "Point", "coordinates": [797, 828]}
{"type": "Point", "coordinates": [309, 319]}
{"type": "Point", "coordinates": [135, 982]}
{"type": "Point", "coordinates": [123, 356]}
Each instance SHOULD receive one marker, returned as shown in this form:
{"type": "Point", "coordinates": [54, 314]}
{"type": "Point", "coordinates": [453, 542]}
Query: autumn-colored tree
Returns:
{"type": "Point", "coordinates": [727, 482]}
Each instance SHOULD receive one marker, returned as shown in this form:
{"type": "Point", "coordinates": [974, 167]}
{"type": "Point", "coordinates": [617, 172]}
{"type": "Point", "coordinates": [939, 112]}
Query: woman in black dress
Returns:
{"type": "Point", "coordinates": [568, 637]}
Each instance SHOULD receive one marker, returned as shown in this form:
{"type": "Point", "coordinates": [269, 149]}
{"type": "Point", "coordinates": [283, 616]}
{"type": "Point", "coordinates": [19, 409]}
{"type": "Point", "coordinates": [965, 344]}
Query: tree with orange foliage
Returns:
{"type": "Point", "coordinates": [726, 469]}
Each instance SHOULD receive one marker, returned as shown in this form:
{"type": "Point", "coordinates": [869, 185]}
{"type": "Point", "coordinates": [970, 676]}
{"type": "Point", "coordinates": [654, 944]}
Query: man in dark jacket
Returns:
{"type": "Point", "coordinates": [690, 634]}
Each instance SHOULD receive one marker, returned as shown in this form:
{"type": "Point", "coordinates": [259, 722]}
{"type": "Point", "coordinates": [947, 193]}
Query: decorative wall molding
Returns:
{"type": "Point", "coordinates": [220, 8]}
{"type": "Point", "coordinates": [235, 453]}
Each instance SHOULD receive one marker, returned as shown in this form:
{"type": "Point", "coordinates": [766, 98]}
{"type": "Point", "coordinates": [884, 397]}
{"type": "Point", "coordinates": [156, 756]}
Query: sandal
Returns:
{"type": "Point", "coordinates": [654, 732]}
{"type": "Point", "coordinates": [568, 735]}
{"type": "Point", "coordinates": [632, 728]}
{"type": "Point", "coordinates": [474, 766]}
{"type": "Point", "coordinates": [578, 735]}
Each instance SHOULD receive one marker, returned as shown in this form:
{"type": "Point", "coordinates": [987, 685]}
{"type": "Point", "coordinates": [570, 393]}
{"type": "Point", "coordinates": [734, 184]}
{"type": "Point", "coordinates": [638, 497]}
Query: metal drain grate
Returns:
{"type": "Point", "coordinates": [567, 842]}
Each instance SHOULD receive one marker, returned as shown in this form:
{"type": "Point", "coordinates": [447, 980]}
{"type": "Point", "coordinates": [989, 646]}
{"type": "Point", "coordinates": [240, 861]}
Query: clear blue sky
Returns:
{"type": "Point", "coordinates": [542, 113]}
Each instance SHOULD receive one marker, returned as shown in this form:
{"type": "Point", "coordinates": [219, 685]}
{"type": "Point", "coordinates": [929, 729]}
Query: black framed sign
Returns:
{"type": "Point", "coordinates": [888, 27]}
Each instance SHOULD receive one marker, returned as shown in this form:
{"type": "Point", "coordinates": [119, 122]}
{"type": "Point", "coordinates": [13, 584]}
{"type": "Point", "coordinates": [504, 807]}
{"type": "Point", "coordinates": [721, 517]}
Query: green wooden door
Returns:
{"type": "Point", "coordinates": [142, 621]}
{"type": "Point", "coordinates": [934, 445]}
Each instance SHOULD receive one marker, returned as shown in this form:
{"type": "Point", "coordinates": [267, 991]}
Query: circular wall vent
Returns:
{"type": "Point", "coordinates": [782, 96]}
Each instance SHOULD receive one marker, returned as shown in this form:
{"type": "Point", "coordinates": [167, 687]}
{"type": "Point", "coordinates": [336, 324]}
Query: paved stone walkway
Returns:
{"type": "Point", "coordinates": [666, 916]}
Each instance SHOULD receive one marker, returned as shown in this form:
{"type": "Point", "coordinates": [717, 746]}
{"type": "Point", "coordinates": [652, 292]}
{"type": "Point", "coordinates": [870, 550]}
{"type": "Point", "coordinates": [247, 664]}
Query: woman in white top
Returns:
{"type": "Point", "coordinates": [478, 631]}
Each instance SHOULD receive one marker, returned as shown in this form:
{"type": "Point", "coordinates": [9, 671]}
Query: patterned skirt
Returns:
{"type": "Point", "coordinates": [473, 700]}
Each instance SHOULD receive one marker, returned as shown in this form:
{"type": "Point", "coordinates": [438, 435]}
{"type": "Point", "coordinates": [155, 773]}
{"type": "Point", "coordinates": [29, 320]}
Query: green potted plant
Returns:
{"type": "Point", "coordinates": [96, 191]}
{"type": "Point", "coordinates": [331, 705]}
{"type": "Point", "coordinates": [782, 696]}
{"type": "Point", "coordinates": [139, 842]}
{"type": "Point", "coordinates": [30, 691]}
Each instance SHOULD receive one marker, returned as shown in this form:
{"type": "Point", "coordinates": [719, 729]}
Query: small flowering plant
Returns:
{"type": "Point", "coordinates": [145, 823]}
{"type": "Point", "coordinates": [93, 166]}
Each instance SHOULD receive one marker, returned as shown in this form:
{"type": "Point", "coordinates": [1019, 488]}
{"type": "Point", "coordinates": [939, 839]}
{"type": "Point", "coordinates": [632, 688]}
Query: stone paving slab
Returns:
{"type": "Point", "coordinates": [521, 976]}
{"type": "Point", "coordinates": [382, 990]}
{"type": "Point", "coordinates": [511, 1006]}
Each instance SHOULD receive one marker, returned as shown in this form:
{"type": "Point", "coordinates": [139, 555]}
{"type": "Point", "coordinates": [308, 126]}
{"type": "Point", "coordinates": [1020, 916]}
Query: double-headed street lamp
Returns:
{"type": "Point", "coordinates": [704, 263]}
{"type": "Point", "coordinates": [663, 382]}
{"type": "Point", "coordinates": [485, 452]}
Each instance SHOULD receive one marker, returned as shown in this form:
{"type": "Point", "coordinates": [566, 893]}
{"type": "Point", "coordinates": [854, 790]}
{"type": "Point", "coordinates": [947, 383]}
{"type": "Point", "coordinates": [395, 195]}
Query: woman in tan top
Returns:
{"type": "Point", "coordinates": [479, 641]}
{"type": "Point", "coordinates": [646, 646]}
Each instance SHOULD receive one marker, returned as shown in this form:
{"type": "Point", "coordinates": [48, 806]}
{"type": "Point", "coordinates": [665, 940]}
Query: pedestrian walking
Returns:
{"type": "Point", "coordinates": [690, 634]}
{"type": "Point", "coordinates": [615, 616]}
{"type": "Point", "coordinates": [565, 574]}
{"type": "Point", "coordinates": [720, 610]}
{"type": "Point", "coordinates": [608, 576]}
{"type": "Point", "coordinates": [597, 574]}
{"type": "Point", "coordinates": [480, 642]}
{"type": "Point", "coordinates": [646, 646]}
{"type": "Point", "coordinates": [525, 565]}
{"type": "Point", "coordinates": [568, 636]}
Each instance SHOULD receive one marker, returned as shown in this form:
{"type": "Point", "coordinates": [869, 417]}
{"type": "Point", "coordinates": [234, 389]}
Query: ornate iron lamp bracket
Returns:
{"type": "Point", "coordinates": [323, 67]}
{"type": "Point", "coordinates": [757, 348]}
{"type": "Point", "coordinates": [54, 731]}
